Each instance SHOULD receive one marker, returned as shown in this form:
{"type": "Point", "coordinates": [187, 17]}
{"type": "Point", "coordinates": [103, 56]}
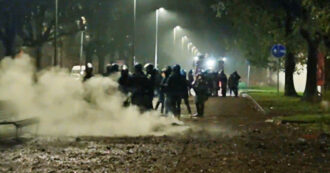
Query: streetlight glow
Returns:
{"type": "Point", "coordinates": [174, 33]}
{"type": "Point", "coordinates": [177, 27]}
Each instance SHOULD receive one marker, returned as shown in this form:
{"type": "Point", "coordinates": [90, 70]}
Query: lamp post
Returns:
{"type": "Point", "coordinates": [82, 25]}
{"type": "Point", "coordinates": [189, 46]}
{"type": "Point", "coordinates": [175, 32]}
{"type": "Point", "coordinates": [134, 33]}
{"type": "Point", "coordinates": [55, 32]}
{"type": "Point", "coordinates": [183, 40]}
{"type": "Point", "coordinates": [156, 44]}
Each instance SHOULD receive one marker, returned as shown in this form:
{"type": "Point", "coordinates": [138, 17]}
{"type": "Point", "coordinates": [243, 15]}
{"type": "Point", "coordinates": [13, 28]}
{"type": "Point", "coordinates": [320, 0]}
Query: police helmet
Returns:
{"type": "Point", "coordinates": [138, 67]}
{"type": "Point", "coordinates": [176, 68]}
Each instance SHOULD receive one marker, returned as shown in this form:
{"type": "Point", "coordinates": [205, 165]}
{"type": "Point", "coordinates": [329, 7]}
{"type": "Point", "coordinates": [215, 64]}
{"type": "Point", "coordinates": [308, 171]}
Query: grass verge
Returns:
{"type": "Point", "coordinates": [293, 110]}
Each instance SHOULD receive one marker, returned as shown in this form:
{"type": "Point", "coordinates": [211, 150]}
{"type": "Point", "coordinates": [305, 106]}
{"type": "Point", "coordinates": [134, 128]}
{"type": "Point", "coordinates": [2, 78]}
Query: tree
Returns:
{"type": "Point", "coordinates": [108, 33]}
{"type": "Point", "coordinates": [260, 24]}
{"type": "Point", "coordinates": [314, 28]}
{"type": "Point", "coordinates": [11, 17]}
{"type": "Point", "coordinates": [38, 26]}
{"type": "Point", "coordinates": [290, 17]}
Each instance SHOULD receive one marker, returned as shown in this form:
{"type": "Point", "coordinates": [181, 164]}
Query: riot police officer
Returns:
{"type": "Point", "coordinates": [139, 81]}
{"type": "Point", "coordinates": [150, 85]}
{"type": "Point", "coordinates": [88, 72]}
{"type": "Point", "coordinates": [233, 83]}
{"type": "Point", "coordinates": [124, 80]}
{"type": "Point", "coordinates": [176, 85]}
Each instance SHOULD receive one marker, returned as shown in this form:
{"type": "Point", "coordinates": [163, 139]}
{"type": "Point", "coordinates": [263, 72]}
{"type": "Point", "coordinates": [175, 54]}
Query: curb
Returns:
{"type": "Point", "coordinates": [256, 104]}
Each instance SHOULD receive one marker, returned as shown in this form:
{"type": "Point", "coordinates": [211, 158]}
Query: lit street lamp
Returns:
{"type": "Point", "coordinates": [55, 32]}
{"type": "Point", "coordinates": [189, 46]}
{"type": "Point", "coordinates": [134, 33]}
{"type": "Point", "coordinates": [183, 40]}
{"type": "Point", "coordinates": [174, 33]}
{"type": "Point", "coordinates": [82, 27]}
{"type": "Point", "coordinates": [156, 45]}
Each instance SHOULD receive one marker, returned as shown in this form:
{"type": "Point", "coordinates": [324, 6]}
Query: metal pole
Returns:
{"type": "Point", "coordinates": [55, 33]}
{"type": "Point", "coordinates": [278, 76]}
{"type": "Point", "coordinates": [249, 68]}
{"type": "Point", "coordinates": [156, 45]}
{"type": "Point", "coordinates": [174, 36]}
{"type": "Point", "coordinates": [134, 33]}
{"type": "Point", "coordinates": [81, 50]}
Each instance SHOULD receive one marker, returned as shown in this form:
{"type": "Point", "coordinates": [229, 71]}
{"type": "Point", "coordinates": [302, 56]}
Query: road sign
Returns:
{"type": "Point", "coordinates": [278, 50]}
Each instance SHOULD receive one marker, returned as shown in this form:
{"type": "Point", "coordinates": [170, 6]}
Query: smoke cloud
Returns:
{"type": "Point", "coordinates": [69, 107]}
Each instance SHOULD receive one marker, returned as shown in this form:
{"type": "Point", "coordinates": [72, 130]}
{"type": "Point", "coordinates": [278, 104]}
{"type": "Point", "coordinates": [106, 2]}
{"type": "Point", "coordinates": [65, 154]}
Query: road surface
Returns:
{"type": "Point", "coordinates": [232, 137]}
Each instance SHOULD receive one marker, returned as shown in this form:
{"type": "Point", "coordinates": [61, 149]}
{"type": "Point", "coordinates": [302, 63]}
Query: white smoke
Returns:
{"type": "Point", "coordinates": [67, 106]}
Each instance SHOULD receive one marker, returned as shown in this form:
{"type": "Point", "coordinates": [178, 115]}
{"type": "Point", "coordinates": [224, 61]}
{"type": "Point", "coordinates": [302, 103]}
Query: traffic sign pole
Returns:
{"type": "Point", "coordinates": [278, 51]}
{"type": "Point", "coordinates": [278, 76]}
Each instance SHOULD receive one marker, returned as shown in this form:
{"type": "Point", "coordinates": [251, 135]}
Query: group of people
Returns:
{"type": "Point", "coordinates": [232, 83]}
{"type": "Point", "coordinates": [171, 85]}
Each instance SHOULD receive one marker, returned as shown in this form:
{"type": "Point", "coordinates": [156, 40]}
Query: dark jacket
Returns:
{"type": "Point", "coordinates": [176, 85]}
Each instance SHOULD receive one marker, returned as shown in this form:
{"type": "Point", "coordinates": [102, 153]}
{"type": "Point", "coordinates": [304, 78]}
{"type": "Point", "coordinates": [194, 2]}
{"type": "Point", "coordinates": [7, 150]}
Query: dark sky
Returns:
{"type": "Point", "coordinates": [196, 16]}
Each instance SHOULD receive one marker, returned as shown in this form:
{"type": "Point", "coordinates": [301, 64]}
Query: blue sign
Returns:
{"type": "Point", "coordinates": [278, 50]}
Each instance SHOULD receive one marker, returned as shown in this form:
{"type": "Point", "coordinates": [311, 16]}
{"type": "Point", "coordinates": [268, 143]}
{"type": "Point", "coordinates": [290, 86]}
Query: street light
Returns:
{"type": "Point", "coordinates": [82, 27]}
{"type": "Point", "coordinates": [183, 40]}
{"type": "Point", "coordinates": [156, 44]}
{"type": "Point", "coordinates": [134, 33]}
{"type": "Point", "coordinates": [189, 45]}
{"type": "Point", "coordinates": [55, 32]}
{"type": "Point", "coordinates": [174, 32]}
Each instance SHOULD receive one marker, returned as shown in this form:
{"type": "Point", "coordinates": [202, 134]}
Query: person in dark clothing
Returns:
{"type": "Point", "coordinates": [223, 80]}
{"type": "Point", "coordinates": [139, 81]}
{"type": "Point", "coordinates": [158, 80]}
{"type": "Point", "coordinates": [125, 84]}
{"type": "Point", "coordinates": [150, 90]}
{"type": "Point", "coordinates": [185, 94]}
{"type": "Point", "coordinates": [176, 85]}
{"type": "Point", "coordinates": [233, 83]}
{"type": "Point", "coordinates": [111, 69]}
{"type": "Point", "coordinates": [161, 93]}
{"type": "Point", "coordinates": [124, 80]}
{"type": "Point", "coordinates": [88, 72]}
{"type": "Point", "coordinates": [190, 79]}
{"type": "Point", "coordinates": [167, 104]}
{"type": "Point", "coordinates": [201, 90]}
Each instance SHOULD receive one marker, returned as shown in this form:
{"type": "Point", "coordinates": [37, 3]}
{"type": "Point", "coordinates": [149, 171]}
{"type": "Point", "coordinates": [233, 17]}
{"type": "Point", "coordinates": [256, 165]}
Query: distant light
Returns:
{"type": "Point", "coordinates": [89, 65]}
{"type": "Point", "coordinates": [83, 19]}
{"type": "Point", "coordinates": [161, 9]}
{"type": "Point", "coordinates": [177, 27]}
{"type": "Point", "coordinates": [210, 63]}
{"type": "Point", "coordinates": [196, 58]}
{"type": "Point", "coordinates": [224, 59]}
